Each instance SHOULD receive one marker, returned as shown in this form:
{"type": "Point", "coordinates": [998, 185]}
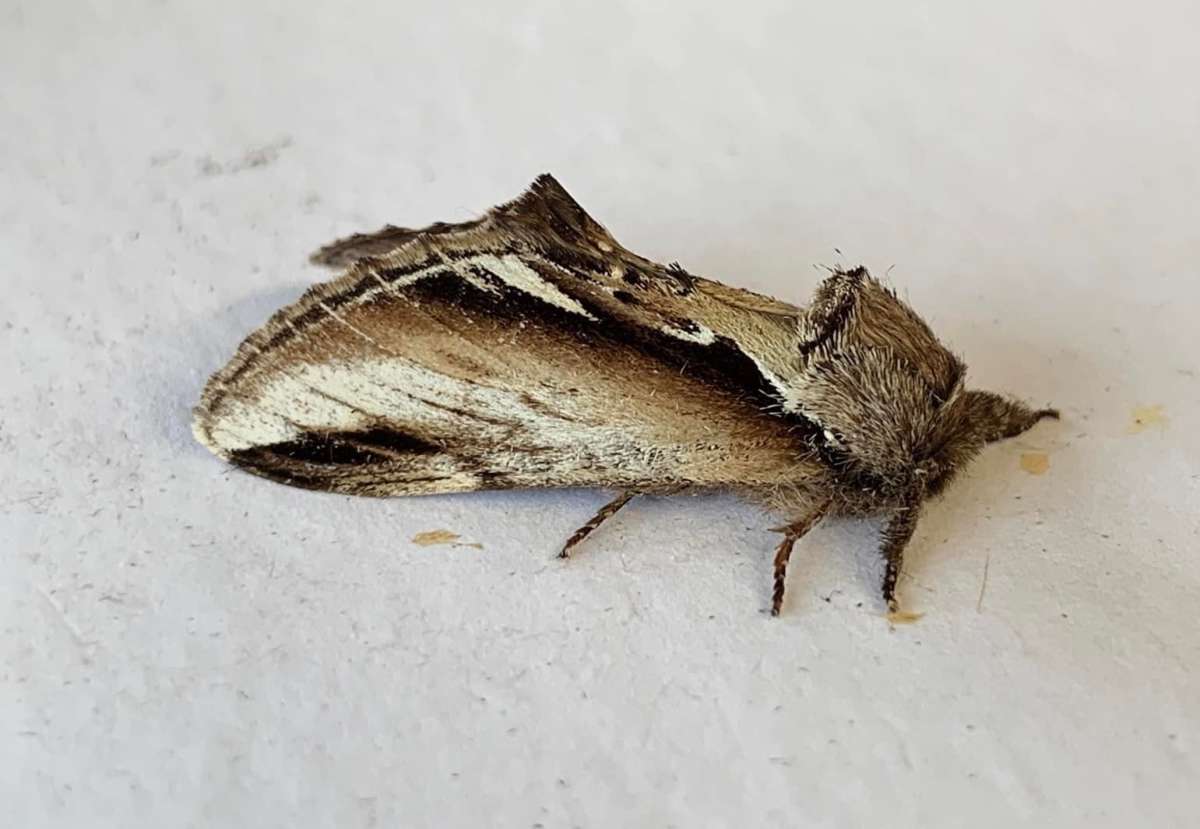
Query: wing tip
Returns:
{"type": "Point", "coordinates": [202, 431]}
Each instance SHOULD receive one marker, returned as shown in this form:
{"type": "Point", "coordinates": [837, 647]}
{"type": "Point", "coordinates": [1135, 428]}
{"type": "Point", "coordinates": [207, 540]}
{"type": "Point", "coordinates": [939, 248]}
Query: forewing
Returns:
{"type": "Point", "coordinates": [525, 349]}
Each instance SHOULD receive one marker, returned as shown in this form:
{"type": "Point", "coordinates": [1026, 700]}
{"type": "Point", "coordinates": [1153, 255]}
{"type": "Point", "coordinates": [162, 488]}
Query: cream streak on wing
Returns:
{"type": "Point", "coordinates": [261, 420]}
{"type": "Point", "coordinates": [241, 425]}
{"type": "Point", "coordinates": [702, 335]}
{"type": "Point", "coordinates": [509, 269]}
{"type": "Point", "coordinates": [516, 274]}
{"type": "Point", "coordinates": [389, 391]}
{"type": "Point", "coordinates": [786, 394]}
{"type": "Point", "coordinates": [379, 390]}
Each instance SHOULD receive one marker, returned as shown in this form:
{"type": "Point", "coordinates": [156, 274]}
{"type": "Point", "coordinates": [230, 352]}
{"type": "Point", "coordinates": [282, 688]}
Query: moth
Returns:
{"type": "Point", "coordinates": [529, 349]}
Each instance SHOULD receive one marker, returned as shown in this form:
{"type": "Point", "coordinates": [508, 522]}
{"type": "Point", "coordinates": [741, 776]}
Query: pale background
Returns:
{"type": "Point", "coordinates": [189, 646]}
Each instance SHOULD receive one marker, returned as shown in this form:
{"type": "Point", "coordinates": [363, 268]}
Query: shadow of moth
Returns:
{"type": "Point", "coordinates": [527, 348]}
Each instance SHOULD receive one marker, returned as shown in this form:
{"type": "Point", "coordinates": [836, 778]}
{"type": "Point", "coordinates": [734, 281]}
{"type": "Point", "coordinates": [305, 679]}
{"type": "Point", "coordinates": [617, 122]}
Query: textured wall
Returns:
{"type": "Point", "coordinates": [185, 645]}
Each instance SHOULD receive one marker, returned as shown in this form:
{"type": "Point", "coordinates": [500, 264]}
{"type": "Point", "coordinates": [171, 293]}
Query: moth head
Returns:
{"type": "Point", "coordinates": [886, 399]}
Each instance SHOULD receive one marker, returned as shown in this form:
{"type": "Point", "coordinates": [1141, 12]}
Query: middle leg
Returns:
{"type": "Point", "coordinates": [596, 520]}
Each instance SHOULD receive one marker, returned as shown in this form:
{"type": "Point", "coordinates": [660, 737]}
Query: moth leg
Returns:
{"type": "Point", "coordinates": [896, 536]}
{"type": "Point", "coordinates": [791, 534]}
{"type": "Point", "coordinates": [606, 512]}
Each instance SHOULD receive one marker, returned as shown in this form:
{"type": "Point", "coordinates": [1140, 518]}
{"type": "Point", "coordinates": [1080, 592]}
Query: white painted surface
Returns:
{"type": "Point", "coordinates": [186, 646]}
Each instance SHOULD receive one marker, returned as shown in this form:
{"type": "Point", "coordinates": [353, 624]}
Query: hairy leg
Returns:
{"type": "Point", "coordinates": [596, 520]}
{"type": "Point", "coordinates": [791, 534]}
{"type": "Point", "coordinates": [896, 536]}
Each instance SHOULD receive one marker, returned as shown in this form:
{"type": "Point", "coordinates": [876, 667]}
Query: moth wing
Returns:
{"type": "Point", "coordinates": [523, 349]}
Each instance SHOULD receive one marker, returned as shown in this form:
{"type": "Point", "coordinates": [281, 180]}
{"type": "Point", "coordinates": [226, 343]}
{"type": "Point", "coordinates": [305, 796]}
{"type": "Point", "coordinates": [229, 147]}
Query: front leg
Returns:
{"type": "Point", "coordinates": [896, 536]}
{"type": "Point", "coordinates": [791, 534]}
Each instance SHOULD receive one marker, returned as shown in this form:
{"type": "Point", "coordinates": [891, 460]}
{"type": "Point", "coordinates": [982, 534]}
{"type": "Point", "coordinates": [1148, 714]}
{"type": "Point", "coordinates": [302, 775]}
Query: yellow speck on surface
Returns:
{"type": "Point", "coordinates": [1146, 416]}
{"type": "Point", "coordinates": [903, 617]}
{"type": "Point", "coordinates": [1035, 463]}
{"type": "Point", "coordinates": [432, 537]}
